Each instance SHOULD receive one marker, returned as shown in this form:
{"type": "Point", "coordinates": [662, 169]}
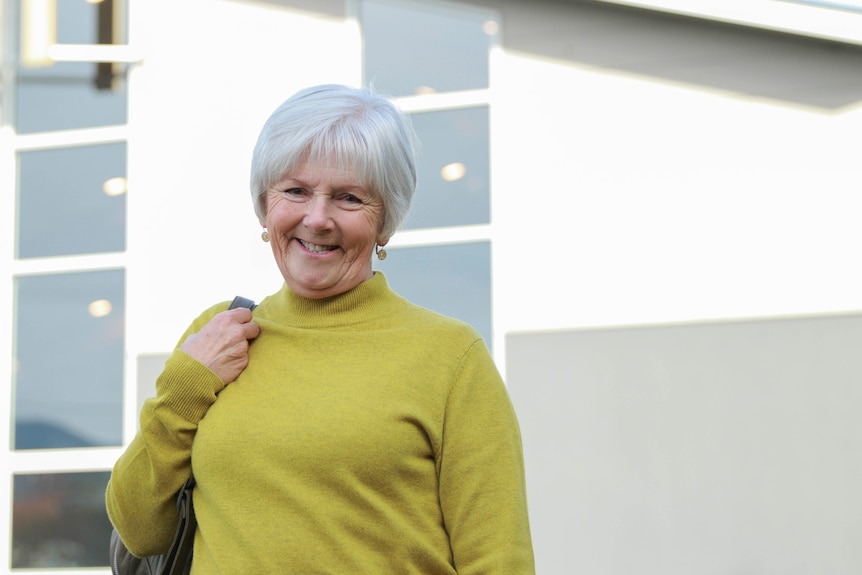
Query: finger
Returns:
{"type": "Point", "coordinates": [240, 314]}
{"type": "Point", "coordinates": [252, 330]}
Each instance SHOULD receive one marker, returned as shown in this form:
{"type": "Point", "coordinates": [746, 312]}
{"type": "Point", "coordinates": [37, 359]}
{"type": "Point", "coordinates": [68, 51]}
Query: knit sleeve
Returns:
{"type": "Point", "coordinates": [140, 496]}
{"type": "Point", "coordinates": [482, 484]}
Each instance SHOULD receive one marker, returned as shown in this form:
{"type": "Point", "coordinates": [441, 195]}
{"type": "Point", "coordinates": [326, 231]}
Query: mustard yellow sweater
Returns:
{"type": "Point", "coordinates": [366, 436]}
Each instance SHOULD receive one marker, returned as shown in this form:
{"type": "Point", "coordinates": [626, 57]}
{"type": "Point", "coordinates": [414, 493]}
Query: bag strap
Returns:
{"type": "Point", "coordinates": [178, 558]}
{"type": "Point", "coordinates": [239, 301]}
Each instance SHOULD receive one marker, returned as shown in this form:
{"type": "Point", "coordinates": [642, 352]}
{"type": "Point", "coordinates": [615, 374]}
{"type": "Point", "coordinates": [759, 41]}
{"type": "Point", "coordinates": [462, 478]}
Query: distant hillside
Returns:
{"type": "Point", "coordinates": [42, 435]}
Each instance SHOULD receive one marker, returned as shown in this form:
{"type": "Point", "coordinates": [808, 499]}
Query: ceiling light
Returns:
{"type": "Point", "coordinates": [453, 172]}
{"type": "Point", "coordinates": [99, 308]}
{"type": "Point", "coordinates": [114, 186]}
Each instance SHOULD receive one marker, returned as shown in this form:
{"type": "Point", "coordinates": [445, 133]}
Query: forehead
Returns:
{"type": "Point", "coordinates": [333, 172]}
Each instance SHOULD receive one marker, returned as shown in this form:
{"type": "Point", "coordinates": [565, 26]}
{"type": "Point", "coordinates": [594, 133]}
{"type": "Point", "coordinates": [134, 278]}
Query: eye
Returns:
{"type": "Point", "coordinates": [294, 193]}
{"type": "Point", "coordinates": [350, 201]}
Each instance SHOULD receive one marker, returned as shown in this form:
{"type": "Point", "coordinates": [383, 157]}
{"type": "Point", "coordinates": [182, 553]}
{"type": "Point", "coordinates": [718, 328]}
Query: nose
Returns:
{"type": "Point", "coordinates": [317, 215]}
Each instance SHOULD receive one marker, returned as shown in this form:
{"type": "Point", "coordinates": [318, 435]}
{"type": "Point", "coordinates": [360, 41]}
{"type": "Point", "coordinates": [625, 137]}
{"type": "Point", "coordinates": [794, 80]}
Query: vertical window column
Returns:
{"type": "Point", "coordinates": [65, 113]}
{"type": "Point", "coordinates": [434, 58]}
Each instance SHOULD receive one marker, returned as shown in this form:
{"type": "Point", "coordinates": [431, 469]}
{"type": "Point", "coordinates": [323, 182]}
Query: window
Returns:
{"type": "Point", "coordinates": [58, 520]}
{"type": "Point", "coordinates": [414, 48]}
{"type": "Point", "coordinates": [71, 200]}
{"type": "Point", "coordinates": [63, 155]}
{"type": "Point", "coordinates": [434, 58]}
{"type": "Point", "coordinates": [55, 89]}
{"type": "Point", "coordinates": [454, 186]}
{"type": "Point", "coordinates": [69, 360]}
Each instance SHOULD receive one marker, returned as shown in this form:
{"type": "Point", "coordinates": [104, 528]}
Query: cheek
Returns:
{"type": "Point", "coordinates": [280, 217]}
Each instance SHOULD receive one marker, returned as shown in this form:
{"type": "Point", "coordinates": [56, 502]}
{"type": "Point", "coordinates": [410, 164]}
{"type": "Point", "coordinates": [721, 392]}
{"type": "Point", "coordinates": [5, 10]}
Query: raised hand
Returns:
{"type": "Point", "coordinates": [222, 344]}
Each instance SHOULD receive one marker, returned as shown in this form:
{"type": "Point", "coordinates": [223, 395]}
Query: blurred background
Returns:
{"type": "Point", "coordinates": [649, 210]}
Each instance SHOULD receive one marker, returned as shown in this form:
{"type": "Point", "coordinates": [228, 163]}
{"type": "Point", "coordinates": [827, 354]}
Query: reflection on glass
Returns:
{"type": "Point", "coordinates": [62, 205]}
{"type": "Point", "coordinates": [68, 382]}
{"type": "Point", "coordinates": [453, 169]}
{"type": "Point", "coordinates": [454, 280]}
{"type": "Point", "coordinates": [453, 172]}
{"type": "Point", "coordinates": [115, 186]}
{"type": "Point", "coordinates": [413, 48]}
{"type": "Point", "coordinates": [59, 521]}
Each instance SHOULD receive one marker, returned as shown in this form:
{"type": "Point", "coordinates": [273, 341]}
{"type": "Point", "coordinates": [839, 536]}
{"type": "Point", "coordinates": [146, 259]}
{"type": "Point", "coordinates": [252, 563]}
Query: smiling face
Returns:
{"type": "Point", "coordinates": [323, 225]}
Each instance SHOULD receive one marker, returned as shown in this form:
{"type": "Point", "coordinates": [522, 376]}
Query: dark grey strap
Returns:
{"type": "Point", "coordinates": [178, 557]}
{"type": "Point", "coordinates": [242, 302]}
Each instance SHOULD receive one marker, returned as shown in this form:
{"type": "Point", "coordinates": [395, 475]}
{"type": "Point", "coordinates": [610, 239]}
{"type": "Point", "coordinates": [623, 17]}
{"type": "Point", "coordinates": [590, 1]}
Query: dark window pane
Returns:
{"type": "Point", "coordinates": [65, 97]}
{"type": "Point", "coordinates": [68, 384]}
{"type": "Point", "coordinates": [59, 520]}
{"type": "Point", "coordinates": [63, 205]}
{"type": "Point", "coordinates": [77, 22]}
{"type": "Point", "coordinates": [453, 169]}
{"type": "Point", "coordinates": [454, 280]}
{"type": "Point", "coordinates": [412, 48]}
{"type": "Point", "coordinates": [71, 95]}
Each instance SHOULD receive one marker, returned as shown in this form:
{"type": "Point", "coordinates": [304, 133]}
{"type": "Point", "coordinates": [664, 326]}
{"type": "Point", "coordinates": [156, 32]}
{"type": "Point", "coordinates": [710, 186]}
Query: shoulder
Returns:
{"type": "Point", "coordinates": [438, 324]}
{"type": "Point", "coordinates": [210, 312]}
{"type": "Point", "coordinates": [203, 318]}
{"type": "Point", "coordinates": [451, 344]}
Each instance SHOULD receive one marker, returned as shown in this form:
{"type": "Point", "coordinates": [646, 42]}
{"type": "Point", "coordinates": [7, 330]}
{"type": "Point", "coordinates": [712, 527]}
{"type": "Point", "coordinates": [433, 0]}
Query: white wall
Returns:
{"type": "Point", "coordinates": [622, 199]}
{"type": "Point", "coordinates": [212, 73]}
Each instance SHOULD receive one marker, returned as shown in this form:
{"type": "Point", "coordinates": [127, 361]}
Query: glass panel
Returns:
{"type": "Point", "coordinates": [453, 169]}
{"type": "Point", "coordinates": [65, 97]}
{"type": "Point", "coordinates": [68, 381]}
{"type": "Point", "coordinates": [78, 21]}
{"type": "Point", "coordinates": [454, 280]}
{"type": "Point", "coordinates": [59, 520]}
{"type": "Point", "coordinates": [413, 48]}
{"type": "Point", "coordinates": [71, 95]}
{"type": "Point", "coordinates": [72, 201]}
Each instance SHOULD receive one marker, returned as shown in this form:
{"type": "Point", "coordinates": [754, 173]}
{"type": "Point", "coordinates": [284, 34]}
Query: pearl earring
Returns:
{"type": "Point", "coordinates": [264, 236]}
{"type": "Point", "coordinates": [381, 254]}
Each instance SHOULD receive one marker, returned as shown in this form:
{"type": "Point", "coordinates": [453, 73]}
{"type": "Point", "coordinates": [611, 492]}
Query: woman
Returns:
{"type": "Point", "coordinates": [338, 428]}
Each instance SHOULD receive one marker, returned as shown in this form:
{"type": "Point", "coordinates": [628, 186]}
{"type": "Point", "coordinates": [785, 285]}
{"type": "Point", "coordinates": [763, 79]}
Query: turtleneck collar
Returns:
{"type": "Point", "coordinates": [355, 306]}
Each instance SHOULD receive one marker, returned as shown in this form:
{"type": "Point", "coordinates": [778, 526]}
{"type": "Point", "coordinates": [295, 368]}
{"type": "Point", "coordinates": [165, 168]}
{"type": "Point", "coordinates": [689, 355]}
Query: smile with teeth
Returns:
{"type": "Point", "coordinates": [315, 248]}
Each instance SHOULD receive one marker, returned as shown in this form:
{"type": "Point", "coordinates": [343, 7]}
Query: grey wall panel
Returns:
{"type": "Point", "coordinates": [150, 366]}
{"type": "Point", "coordinates": [716, 448]}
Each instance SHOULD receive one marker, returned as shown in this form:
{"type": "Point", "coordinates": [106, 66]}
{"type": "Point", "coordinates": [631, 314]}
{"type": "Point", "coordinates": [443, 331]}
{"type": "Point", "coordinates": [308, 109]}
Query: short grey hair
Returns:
{"type": "Point", "coordinates": [354, 127]}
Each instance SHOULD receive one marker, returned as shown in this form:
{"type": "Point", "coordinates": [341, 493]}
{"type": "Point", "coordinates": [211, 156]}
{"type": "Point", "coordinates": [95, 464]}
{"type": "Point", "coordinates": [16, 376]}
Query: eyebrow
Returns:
{"type": "Point", "coordinates": [294, 180]}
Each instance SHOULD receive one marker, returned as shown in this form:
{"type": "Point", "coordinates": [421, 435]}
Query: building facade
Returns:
{"type": "Point", "coordinates": [648, 209]}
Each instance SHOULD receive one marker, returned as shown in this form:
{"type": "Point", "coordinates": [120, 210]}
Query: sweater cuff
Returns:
{"type": "Point", "coordinates": [187, 386]}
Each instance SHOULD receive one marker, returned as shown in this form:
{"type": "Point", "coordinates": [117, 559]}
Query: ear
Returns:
{"type": "Point", "coordinates": [382, 241]}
